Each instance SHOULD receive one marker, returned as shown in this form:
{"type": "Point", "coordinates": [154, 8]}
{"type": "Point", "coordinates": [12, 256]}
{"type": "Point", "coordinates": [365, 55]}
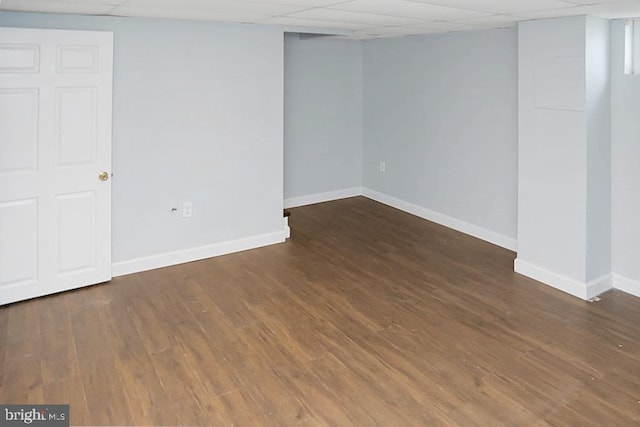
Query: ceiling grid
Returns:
{"type": "Point", "coordinates": [361, 19]}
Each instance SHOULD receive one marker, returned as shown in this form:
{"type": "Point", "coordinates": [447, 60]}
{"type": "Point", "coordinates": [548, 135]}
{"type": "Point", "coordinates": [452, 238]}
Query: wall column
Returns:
{"type": "Point", "coordinates": [564, 137]}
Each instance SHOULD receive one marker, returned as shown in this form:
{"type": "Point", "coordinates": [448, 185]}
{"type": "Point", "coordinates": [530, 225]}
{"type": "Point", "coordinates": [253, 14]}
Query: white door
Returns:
{"type": "Point", "coordinates": [55, 141]}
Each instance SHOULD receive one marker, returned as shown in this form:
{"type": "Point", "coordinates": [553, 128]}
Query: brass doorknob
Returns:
{"type": "Point", "coordinates": [103, 176]}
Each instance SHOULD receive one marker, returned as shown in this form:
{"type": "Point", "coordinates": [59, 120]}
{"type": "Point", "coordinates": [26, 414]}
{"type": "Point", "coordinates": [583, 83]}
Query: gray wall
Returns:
{"type": "Point", "coordinates": [198, 113]}
{"type": "Point", "coordinates": [441, 111]}
{"type": "Point", "coordinates": [323, 115]}
{"type": "Point", "coordinates": [564, 154]}
{"type": "Point", "coordinates": [598, 86]}
{"type": "Point", "coordinates": [552, 146]}
{"type": "Point", "coordinates": [625, 109]}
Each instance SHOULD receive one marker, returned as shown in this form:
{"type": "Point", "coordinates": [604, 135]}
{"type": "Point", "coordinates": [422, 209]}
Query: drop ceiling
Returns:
{"type": "Point", "coordinates": [360, 19]}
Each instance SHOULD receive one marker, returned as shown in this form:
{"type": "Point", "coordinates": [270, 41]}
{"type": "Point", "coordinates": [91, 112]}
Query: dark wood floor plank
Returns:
{"type": "Point", "coordinates": [59, 360]}
{"type": "Point", "coordinates": [366, 316]}
{"type": "Point", "coordinates": [69, 391]}
{"type": "Point", "coordinates": [97, 357]}
{"type": "Point", "coordinates": [22, 382]}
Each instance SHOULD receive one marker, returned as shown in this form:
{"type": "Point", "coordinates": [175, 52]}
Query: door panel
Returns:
{"type": "Point", "coordinates": [19, 110]}
{"type": "Point", "coordinates": [76, 232]}
{"type": "Point", "coordinates": [76, 118]}
{"type": "Point", "coordinates": [55, 139]}
{"type": "Point", "coordinates": [19, 58]}
{"type": "Point", "coordinates": [19, 243]}
{"type": "Point", "coordinates": [77, 59]}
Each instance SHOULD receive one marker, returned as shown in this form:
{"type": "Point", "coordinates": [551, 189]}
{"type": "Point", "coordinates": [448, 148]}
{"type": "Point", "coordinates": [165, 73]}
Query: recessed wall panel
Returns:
{"type": "Point", "coordinates": [76, 122]}
{"type": "Point", "coordinates": [18, 129]}
{"type": "Point", "coordinates": [19, 58]}
{"type": "Point", "coordinates": [76, 231]}
{"type": "Point", "coordinates": [19, 242]}
{"type": "Point", "coordinates": [560, 83]}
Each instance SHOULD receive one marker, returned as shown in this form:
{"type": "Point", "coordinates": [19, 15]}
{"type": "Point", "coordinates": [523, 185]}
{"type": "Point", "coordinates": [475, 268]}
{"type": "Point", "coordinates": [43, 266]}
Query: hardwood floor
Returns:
{"type": "Point", "coordinates": [367, 316]}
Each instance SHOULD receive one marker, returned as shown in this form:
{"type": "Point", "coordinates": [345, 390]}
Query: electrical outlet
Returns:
{"type": "Point", "coordinates": [383, 166]}
{"type": "Point", "coordinates": [187, 209]}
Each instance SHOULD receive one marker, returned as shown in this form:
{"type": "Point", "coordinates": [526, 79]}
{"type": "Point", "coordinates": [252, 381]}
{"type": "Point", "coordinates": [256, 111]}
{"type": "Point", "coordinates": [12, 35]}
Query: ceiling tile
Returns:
{"type": "Point", "coordinates": [441, 27]}
{"type": "Point", "coordinates": [400, 31]}
{"type": "Point", "coordinates": [186, 13]}
{"type": "Point", "coordinates": [427, 28]}
{"type": "Point", "coordinates": [491, 21]}
{"type": "Point", "coordinates": [353, 17]}
{"type": "Point", "coordinates": [612, 10]}
{"type": "Point", "coordinates": [551, 13]}
{"type": "Point", "coordinates": [387, 17]}
{"type": "Point", "coordinates": [290, 21]}
{"type": "Point", "coordinates": [52, 6]}
{"type": "Point", "coordinates": [589, 2]}
{"type": "Point", "coordinates": [379, 32]}
{"type": "Point", "coordinates": [223, 7]}
{"type": "Point", "coordinates": [306, 3]}
{"type": "Point", "coordinates": [406, 9]}
{"type": "Point", "coordinates": [615, 10]}
{"type": "Point", "coordinates": [500, 6]}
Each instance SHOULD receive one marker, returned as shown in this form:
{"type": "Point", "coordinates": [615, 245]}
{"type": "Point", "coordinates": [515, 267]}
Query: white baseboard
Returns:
{"type": "Point", "coordinates": [563, 283]}
{"type": "Point", "coordinates": [447, 221]}
{"type": "Point", "coordinates": [601, 284]}
{"type": "Point", "coordinates": [194, 254]}
{"type": "Point", "coordinates": [311, 199]}
{"type": "Point", "coordinates": [627, 285]}
{"type": "Point", "coordinates": [442, 219]}
{"type": "Point", "coordinates": [222, 248]}
{"type": "Point", "coordinates": [287, 229]}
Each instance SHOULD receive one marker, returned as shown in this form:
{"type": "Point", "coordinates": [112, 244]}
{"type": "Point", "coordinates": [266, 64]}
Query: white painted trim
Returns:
{"type": "Point", "coordinates": [563, 283]}
{"type": "Point", "coordinates": [195, 254]}
{"type": "Point", "coordinates": [442, 219]}
{"type": "Point", "coordinates": [222, 248]}
{"type": "Point", "coordinates": [287, 229]}
{"type": "Point", "coordinates": [447, 221]}
{"type": "Point", "coordinates": [311, 199]}
{"type": "Point", "coordinates": [601, 284]}
{"type": "Point", "coordinates": [627, 285]}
